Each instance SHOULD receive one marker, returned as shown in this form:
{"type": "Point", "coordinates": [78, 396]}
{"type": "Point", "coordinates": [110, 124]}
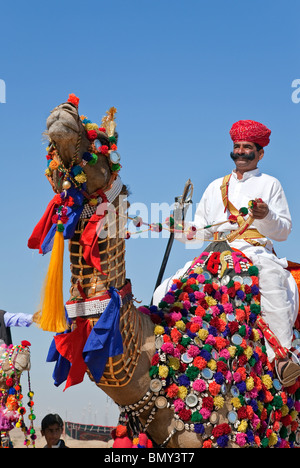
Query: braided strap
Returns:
{"type": "Point", "coordinates": [280, 351]}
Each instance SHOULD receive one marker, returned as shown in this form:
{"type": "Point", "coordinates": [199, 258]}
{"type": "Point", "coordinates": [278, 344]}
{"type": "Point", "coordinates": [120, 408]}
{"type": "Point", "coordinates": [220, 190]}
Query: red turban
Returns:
{"type": "Point", "coordinates": [249, 130]}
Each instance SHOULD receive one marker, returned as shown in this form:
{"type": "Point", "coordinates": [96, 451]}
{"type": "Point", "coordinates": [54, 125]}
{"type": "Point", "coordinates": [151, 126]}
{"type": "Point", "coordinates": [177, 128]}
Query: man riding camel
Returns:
{"type": "Point", "coordinates": [222, 201]}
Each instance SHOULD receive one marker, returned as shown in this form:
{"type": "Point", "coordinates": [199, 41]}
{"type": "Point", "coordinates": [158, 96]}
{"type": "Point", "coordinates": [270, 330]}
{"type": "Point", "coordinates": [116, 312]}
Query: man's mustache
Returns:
{"type": "Point", "coordinates": [249, 156]}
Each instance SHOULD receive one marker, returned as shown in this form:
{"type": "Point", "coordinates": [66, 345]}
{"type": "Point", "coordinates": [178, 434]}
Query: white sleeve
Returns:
{"type": "Point", "coordinates": [277, 225]}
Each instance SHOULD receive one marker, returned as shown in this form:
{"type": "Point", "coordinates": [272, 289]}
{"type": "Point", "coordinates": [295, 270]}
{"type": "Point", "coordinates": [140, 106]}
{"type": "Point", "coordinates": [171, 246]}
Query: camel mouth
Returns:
{"type": "Point", "coordinates": [62, 121]}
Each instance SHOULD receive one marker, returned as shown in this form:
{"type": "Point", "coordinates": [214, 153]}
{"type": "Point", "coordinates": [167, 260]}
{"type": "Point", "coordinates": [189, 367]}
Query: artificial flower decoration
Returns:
{"type": "Point", "coordinates": [73, 99]}
{"type": "Point", "coordinates": [209, 351]}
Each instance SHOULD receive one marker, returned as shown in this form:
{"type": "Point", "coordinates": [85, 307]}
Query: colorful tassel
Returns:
{"type": "Point", "coordinates": [52, 314]}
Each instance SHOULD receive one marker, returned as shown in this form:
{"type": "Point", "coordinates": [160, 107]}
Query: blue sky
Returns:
{"type": "Point", "coordinates": [179, 73]}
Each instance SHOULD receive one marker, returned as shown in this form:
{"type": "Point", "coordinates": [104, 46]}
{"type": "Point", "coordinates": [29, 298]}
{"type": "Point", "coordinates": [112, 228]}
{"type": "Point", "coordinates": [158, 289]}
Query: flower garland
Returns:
{"type": "Point", "coordinates": [211, 355]}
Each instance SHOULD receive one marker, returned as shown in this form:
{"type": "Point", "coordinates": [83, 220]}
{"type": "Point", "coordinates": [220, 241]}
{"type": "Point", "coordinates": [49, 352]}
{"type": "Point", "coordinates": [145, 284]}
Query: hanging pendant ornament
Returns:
{"type": "Point", "coordinates": [66, 185]}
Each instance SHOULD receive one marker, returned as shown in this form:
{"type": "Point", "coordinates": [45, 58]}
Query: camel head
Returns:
{"type": "Point", "coordinates": [80, 152]}
{"type": "Point", "coordinates": [14, 360]}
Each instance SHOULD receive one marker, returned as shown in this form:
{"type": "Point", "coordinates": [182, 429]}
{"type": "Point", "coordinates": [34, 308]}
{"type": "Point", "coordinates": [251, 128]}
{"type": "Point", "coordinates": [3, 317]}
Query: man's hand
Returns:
{"type": "Point", "coordinates": [259, 210]}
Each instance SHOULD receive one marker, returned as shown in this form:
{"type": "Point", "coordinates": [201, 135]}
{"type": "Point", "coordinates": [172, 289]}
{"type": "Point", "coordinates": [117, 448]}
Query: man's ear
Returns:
{"type": "Point", "coordinates": [261, 154]}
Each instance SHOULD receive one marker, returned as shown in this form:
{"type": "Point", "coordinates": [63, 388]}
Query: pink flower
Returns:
{"type": "Point", "coordinates": [255, 421]}
{"type": "Point", "coordinates": [199, 295]}
{"type": "Point", "coordinates": [258, 368]}
{"type": "Point", "coordinates": [225, 354]}
{"type": "Point", "coordinates": [169, 298]}
{"type": "Point", "coordinates": [241, 439]}
{"type": "Point", "coordinates": [178, 404]}
{"type": "Point", "coordinates": [215, 311]}
{"type": "Point", "coordinates": [199, 385]}
{"type": "Point", "coordinates": [253, 393]}
{"type": "Point", "coordinates": [210, 340]}
{"type": "Point", "coordinates": [186, 305]}
{"type": "Point", "coordinates": [193, 351]}
{"type": "Point", "coordinates": [237, 377]}
{"type": "Point", "coordinates": [197, 319]}
{"type": "Point", "coordinates": [168, 348]}
{"type": "Point", "coordinates": [176, 316]}
{"type": "Point", "coordinates": [205, 413]}
{"type": "Point", "coordinates": [201, 278]}
{"type": "Point", "coordinates": [297, 406]}
{"type": "Point", "coordinates": [228, 308]}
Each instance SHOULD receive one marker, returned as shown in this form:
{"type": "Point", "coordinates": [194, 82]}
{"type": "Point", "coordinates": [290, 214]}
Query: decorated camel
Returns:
{"type": "Point", "coordinates": [192, 372]}
{"type": "Point", "coordinates": [14, 360]}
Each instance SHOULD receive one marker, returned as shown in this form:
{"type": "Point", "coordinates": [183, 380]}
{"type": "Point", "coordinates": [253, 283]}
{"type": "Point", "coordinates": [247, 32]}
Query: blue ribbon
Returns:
{"type": "Point", "coordinates": [105, 339]}
{"type": "Point", "coordinates": [62, 366]}
{"type": "Point", "coordinates": [73, 213]}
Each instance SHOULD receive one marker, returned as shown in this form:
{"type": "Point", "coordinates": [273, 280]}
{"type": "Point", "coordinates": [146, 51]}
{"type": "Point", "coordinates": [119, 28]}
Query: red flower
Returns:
{"type": "Point", "coordinates": [286, 420]}
{"type": "Point", "coordinates": [73, 99]}
{"type": "Point", "coordinates": [9, 382]}
{"type": "Point", "coordinates": [104, 149]}
{"type": "Point", "coordinates": [64, 219]}
{"type": "Point", "coordinates": [233, 327]}
{"type": "Point", "coordinates": [220, 342]}
{"type": "Point", "coordinates": [194, 327]}
{"type": "Point", "coordinates": [155, 360]}
{"type": "Point", "coordinates": [200, 362]}
{"type": "Point", "coordinates": [221, 367]}
{"type": "Point", "coordinates": [208, 288]}
{"type": "Point", "coordinates": [200, 311]}
{"type": "Point", "coordinates": [172, 391]}
{"type": "Point", "coordinates": [57, 200]}
{"type": "Point", "coordinates": [188, 289]}
{"type": "Point", "coordinates": [231, 291]}
{"type": "Point", "coordinates": [102, 129]}
{"type": "Point", "coordinates": [25, 343]}
{"type": "Point", "coordinates": [185, 414]}
{"type": "Point", "coordinates": [208, 403]}
{"type": "Point", "coordinates": [175, 335]}
{"type": "Point", "coordinates": [91, 134]}
{"type": "Point", "coordinates": [213, 263]}
{"type": "Point", "coordinates": [221, 429]}
{"type": "Point", "coordinates": [215, 322]}
{"type": "Point", "coordinates": [155, 318]}
{"type": "Point", "coordinates": [70, 201]}
{"type": "Point", "coordinates": [242, 413]}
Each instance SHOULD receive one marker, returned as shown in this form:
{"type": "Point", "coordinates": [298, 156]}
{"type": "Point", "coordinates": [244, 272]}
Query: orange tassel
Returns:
{"type": "Point", "coordinates": [52, 317]}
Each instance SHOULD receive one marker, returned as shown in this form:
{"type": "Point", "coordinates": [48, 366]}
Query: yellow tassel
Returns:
{"type": "Point", "coordinates": [51, 317]}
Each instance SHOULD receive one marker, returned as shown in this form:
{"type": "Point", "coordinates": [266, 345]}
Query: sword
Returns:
{"type": "Point", "coordinates": [181, 205]}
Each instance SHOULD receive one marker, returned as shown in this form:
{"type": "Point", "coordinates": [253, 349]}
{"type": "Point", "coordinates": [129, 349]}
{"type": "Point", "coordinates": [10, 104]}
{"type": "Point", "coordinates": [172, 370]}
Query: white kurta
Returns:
{"type": "Point", "coordinates": [279, 294]}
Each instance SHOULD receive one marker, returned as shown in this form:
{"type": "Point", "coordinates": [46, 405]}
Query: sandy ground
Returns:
{"type": "Point", "coordinates": [17, 437]}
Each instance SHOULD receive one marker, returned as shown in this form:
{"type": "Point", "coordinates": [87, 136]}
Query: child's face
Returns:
{"type": "Point", "coordinates": [52, 434]}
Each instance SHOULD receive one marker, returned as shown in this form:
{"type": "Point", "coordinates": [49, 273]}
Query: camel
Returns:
{"type": "Point", "coordinates": [14, 360]}
{"type": "Point", "coordinates": [141, 379]}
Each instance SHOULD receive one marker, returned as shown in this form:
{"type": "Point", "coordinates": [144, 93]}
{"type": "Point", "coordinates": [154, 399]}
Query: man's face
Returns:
{"type": "Point", "coordinates": [52, 434]}
{"type": "Point", "coordinates": [241, 150]}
